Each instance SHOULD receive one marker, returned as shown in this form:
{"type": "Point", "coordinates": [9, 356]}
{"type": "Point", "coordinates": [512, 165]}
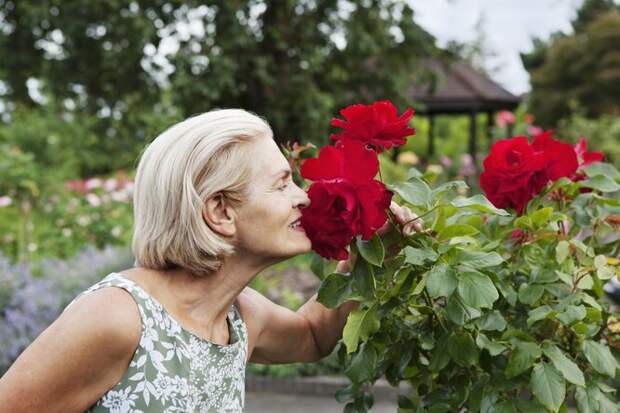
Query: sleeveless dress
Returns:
{"type": "Point", "coordinates": [174, 370]}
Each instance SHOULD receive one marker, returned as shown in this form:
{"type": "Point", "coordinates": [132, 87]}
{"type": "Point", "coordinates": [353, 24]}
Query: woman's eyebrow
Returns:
{"type": "Point", "coordinates": [283, 174]}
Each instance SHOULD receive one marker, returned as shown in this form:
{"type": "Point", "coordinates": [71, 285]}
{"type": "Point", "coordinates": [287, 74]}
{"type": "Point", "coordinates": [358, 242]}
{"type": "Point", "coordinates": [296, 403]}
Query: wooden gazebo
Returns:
{"type": "Point", "coordinates": [456, 88]}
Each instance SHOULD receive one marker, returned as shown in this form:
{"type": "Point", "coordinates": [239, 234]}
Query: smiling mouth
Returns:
{"type": "Point", "coordinates": [296, 224]}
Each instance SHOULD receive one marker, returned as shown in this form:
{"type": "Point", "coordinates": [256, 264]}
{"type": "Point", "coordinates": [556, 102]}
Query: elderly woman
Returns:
{"type": "Point", "coordinates": [214, 205]}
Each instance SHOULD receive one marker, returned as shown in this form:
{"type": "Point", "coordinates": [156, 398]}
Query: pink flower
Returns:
{"type": "Point", "coordinates": [505, 118]}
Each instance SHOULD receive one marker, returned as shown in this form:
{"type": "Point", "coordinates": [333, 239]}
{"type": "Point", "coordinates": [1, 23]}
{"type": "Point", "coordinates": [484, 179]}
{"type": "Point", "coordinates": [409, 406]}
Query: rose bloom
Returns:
{"type": "Point", "coordinates": [513, 173]}
{"type": "Point", "coordinates": [345, 199]}
{"type": "Point", "coordinates": [377, 124]}
{"type": "Point", "coordinates": [561, 157]}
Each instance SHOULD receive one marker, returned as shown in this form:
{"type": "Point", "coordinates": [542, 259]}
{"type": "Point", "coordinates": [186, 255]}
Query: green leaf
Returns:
{"type": "Point", "coordinates": [448, 187]}
{"type": "Point", "coordinates": [561, 251]}
{"type": "Point", "coordinates": [420, 257]}
{"type": "Point", "coordinates": [530, 293]}
{"type": "Point", "coordinates": [441, 281]}
{"type": "Point", "coordinates": [415, 192]}
{"type": "Point", "coordinates": [372, 250]}
{"type": "Point", "coordinates": [479, 203]}
{"type": "Point", "coordinates": [602, 168]}
{"type": "Point", "coordinates": [494, 348]}
{"type": "Point", "coordinates": [335, 290]}
{"type": "Point", "coordinates": [457, 230]}
{"type": "Point", "coordinates": [548, 386]}
{"type": "Point", "coordinates": [522, 358]}
{"type": "Point", "coordinates": [492, 321]}
{"type": "Point", "coordinates": [571, 314]}
{"type": "Point", "coordinates": [601, 183]}
{"type": "Point", "coordinates": [587, 399]}
{"type": "Point", "coordinates": [477, 290]}
{"type": "Point", "coordinates": [363, 364]}
{"type": "Point", "coordinates": [458, 312]}
{"type": "Point", "coordinates": [440, 356]}
{"type": "Point", "coordinates": [538, 314]}
{"type": "Point", "coordinates": [541, 216]}
{"type": "Point", "coordinates": [600, 357]}
{"type": "Point", "coordinates": [478, 259]}
{"type": "Point", "coordinates": [360, 325]}
{"type": "Point", "coordinates": [463, 350]}
{"type": "Point", "coordinates": [566, 366]}
{"type": "Point", "coordinates": [364, 279]}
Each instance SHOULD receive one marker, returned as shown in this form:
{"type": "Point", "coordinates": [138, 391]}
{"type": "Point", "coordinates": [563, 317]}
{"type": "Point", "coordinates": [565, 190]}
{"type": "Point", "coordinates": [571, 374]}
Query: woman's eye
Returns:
{"type": "Point", "coordinates": [283, 187]}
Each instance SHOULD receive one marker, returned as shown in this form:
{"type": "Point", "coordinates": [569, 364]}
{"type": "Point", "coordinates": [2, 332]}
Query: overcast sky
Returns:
{"type": "Point", "coordinates": [508, 25]}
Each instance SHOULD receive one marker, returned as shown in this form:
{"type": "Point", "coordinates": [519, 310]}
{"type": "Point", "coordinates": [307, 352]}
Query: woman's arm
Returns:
{"type": "Point", "coordinates": [77, 359]}
{"type": "Point", "coordinates": [311, 333]}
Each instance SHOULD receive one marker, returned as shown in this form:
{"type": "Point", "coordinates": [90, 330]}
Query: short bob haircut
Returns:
{"type": "Point", "coordinates": [187, 164]}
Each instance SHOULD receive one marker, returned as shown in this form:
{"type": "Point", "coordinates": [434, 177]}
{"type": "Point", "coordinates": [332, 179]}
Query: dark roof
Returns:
{"type": "Point", "coordinates": [455, 87]}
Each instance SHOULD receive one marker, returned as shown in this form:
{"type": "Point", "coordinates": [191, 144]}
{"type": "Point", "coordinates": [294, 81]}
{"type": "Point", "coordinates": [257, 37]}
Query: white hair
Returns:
{"type": "Point", "coordinates": [184, 166]}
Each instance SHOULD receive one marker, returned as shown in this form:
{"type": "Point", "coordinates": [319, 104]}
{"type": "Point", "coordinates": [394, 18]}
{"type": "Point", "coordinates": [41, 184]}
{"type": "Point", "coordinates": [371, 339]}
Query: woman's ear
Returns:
{"type": "Point", "coordinates": [219, 215]}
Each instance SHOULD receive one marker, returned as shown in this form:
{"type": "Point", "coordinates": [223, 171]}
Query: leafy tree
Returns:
{"type": "Point", "coordinates": [579, 69]}
{"type": "Point", "coordinates": [126, 63]}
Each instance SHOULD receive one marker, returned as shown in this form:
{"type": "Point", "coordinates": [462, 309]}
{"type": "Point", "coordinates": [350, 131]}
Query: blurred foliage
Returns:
{"type": "Point", "coordinates": [579, 69]}
{"type": "Point", "coordinates": [129, 68]}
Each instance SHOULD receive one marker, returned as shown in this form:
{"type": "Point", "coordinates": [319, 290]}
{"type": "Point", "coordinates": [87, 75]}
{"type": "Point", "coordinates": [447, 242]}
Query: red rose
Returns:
{"type": "Point", "coordinates": [513, 173]}
{"type": "Point", "coordinates": [377, 124]}
{"type": "Point", "coordinates": [561, 157]}
{"type": "Point", "coordinates": [345, 199]}
{"type": "Point", "coordinates": [327, 221]}
{"type": "Point", "coordinates": [348, 160]}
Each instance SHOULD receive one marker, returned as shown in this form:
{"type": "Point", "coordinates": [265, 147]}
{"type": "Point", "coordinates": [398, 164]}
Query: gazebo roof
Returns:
{"type": "Point", "coordinates": [455, 87]}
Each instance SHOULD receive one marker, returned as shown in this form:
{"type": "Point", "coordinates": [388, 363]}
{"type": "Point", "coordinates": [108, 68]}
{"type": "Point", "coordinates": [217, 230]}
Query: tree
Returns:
{"type": "Point", "coordinates": [579, 69]}
{"type": "Point", "coordinates": [125, 63]}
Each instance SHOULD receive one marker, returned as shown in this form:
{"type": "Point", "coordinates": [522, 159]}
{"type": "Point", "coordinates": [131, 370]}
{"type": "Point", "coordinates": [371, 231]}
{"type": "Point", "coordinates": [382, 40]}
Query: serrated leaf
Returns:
{"type": "Point", "coordinates": [360, 325]}
{"type": "Point", "coordinates": [530, 293]}
{"type": "Point", "coordinates": [440, 356]}
{"type": "Point", "coordinates": [601, 183]}
{"type": "Point", "coordinates": [492, 321]}
{"type": "Point", "coordinates": [458, 312]}
{"type": "Point", "coordinates": [417, 256]}
{"type": "Point", "coordinates": [372, 250]}
{"type": "Point", "coordinates": [479, 203]}
{"type": "Point", "coordinates": [448, 187]}
{"type": "Point", "coordinates": [600, 357]}
{"type": "Point", "coordinates": [522, 358]}
{"type": "Point", "coordinates": [587, 399]}
{"type": "Point", "coordinates": [364, 279]}
{"type": "Point", "coordinates": [548, 386]}
{"type": "Point", "coordinates": [571, 314]}
{"type": "Point", "coordinates": [463, 350]}
{"type": "Point", "coordinates": [335, 290]}
{"type": "Point", "coordinates": [494, 348]}
{"type": "Point", "coordinates": [363, 364]}
{"type": "Point", "coordinates": [602, 168]}
{"type": "Point", "coordinates": [478, 259]}
{"type": "Point", "coordinates": [566, 366]}
{"type": "Point", "coordinates": [441, 281]}
{"type": "Point", "coordinates": [538, 314]}
{"type": "Point", "coordinates": [457, 230]}
{"type": "Point", "coordinates": [477, 290]}
{"type": "Point", "coordinates": [415, 192]}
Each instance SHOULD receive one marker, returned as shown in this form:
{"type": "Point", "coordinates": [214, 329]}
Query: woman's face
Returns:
{"type": "Point", "coordinates": [268, 222]}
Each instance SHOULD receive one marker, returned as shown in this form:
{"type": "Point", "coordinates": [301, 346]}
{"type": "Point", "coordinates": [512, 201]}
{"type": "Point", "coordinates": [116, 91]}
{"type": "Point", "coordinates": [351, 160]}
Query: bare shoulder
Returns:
{"type": "Point", "coordinates": [110, 311]}
{"type": "Point", "coordinates": [80, 356]}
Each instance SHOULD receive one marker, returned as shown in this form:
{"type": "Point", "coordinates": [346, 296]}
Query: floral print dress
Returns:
{"type": "Point", "coordinates": [174, 370]}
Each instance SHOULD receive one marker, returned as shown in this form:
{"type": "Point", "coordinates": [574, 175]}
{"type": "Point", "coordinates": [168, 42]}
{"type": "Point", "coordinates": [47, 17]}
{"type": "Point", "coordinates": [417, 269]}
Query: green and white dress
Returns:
{"type": "Point", "coordinates": [174, 370]}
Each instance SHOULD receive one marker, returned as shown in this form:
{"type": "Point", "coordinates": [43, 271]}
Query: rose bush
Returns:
{"type": "Point", "coordinates": [490, 309]}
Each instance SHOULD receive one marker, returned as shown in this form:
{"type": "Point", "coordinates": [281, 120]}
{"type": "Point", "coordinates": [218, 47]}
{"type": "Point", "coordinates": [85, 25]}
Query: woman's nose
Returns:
{"type": "Point", "coordinates": [302, 199]}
